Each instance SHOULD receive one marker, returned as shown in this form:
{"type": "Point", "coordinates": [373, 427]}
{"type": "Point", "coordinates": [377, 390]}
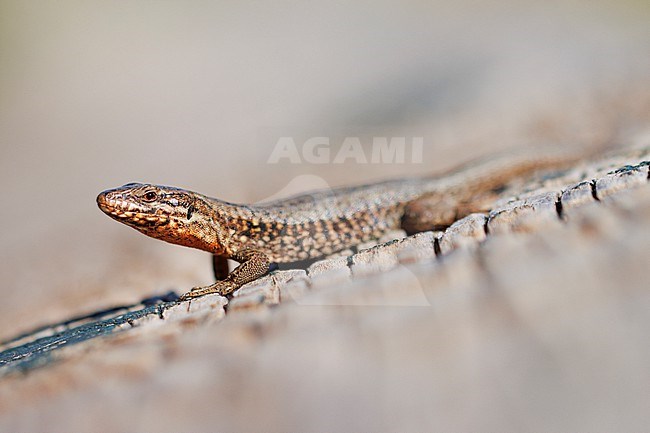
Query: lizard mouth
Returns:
{"type": "Point", "coordinates": [128, 212]}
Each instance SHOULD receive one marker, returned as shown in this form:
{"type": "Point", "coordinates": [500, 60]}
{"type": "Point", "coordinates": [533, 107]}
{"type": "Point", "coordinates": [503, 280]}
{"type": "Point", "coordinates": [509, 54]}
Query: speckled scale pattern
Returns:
{"type": "Point", "coordinates": [320, 223]}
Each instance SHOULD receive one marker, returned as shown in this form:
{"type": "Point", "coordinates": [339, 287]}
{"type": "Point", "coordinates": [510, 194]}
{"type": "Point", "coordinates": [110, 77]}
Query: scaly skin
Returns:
{"type": "Point", "coordinates": [311, 225]}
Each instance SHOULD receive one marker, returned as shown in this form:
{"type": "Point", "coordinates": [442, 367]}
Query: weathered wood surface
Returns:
{"type": "Point", "coordinates": [533, 316]}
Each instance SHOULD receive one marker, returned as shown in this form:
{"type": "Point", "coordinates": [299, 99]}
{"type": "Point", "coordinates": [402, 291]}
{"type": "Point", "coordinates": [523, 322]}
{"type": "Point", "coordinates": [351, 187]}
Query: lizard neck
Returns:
{"type": "Point", "coordinates": [206, 226]}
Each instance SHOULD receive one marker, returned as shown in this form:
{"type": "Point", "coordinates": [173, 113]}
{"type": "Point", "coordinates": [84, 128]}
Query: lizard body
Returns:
{"type": "Point", "coordinates": [309, 225]}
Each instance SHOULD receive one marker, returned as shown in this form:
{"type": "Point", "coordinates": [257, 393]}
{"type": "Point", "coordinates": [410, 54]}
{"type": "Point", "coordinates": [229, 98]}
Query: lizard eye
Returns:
{"type": "Point", "coordinates": [150, 196]}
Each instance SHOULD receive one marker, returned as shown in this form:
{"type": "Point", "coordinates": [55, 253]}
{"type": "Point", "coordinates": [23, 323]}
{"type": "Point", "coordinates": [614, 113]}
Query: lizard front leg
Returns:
{"type": "Point", "coordinates": [253, 264]}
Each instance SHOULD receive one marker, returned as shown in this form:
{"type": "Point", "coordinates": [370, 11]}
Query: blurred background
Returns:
{"type": "Point", "coordinates": [195, 94]}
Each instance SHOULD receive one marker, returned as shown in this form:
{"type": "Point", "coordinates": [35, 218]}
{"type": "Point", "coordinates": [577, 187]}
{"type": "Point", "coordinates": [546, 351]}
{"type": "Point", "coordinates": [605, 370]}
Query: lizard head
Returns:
{"type": "Point", "coordinates": [170, 214]}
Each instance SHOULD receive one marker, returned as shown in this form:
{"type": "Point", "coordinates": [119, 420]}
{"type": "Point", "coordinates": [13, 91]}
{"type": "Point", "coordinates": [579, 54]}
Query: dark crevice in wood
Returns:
{"type": "Point", "coordinates": [436, 247]}
{"type": "Point", "coordinates": [559, 208]}
{"type": "Point", "coordinates": [594, 192]}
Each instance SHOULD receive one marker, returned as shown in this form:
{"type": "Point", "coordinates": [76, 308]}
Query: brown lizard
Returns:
{"type": "Point", "coordinates": [310, 225]}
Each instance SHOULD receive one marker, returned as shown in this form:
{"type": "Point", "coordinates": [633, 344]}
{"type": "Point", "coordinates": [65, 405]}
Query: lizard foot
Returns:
{"type": "Point", "coordinates": [222, 288]}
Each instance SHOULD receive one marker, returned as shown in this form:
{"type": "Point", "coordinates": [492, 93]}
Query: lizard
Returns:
{"type": "Point", "coordinates": [310, 225]}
